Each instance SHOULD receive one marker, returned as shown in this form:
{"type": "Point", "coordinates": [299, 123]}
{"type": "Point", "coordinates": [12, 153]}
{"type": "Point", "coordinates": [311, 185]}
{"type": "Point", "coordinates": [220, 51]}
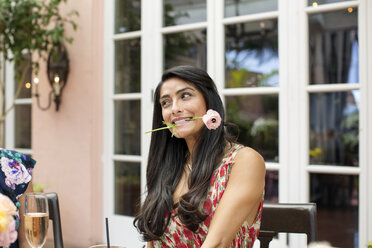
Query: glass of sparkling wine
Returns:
{"type": "Point", "coordinates": [36, 218]}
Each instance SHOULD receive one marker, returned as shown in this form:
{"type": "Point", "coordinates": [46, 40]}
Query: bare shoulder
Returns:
{"type": "Point", "coordinates": [249, 162]}
{"type": "Point", "coordinates": [250, 158]}
{"type": "Point", "coordinates": [248, 176]}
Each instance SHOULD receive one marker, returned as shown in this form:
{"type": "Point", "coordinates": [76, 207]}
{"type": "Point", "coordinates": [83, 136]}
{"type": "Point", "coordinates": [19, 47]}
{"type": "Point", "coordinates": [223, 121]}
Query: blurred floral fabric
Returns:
{"type": "Point", "coordinates": [15, 175]}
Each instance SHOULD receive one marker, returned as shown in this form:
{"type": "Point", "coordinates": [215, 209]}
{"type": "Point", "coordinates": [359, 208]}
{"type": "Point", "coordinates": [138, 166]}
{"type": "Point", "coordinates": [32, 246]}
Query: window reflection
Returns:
{"type": "Point", "coordinates": [334, 128]}
{"type": "Point", "coordinates": [127, 127]}
{"type": "Point", "coordinates": [127, 15]}
{"type": "Point", "coordinates": [251, 54]}
{"type": "Point", "coordinates": [186, 48]}
{"type": "Point", "coordinates": [319, 2]}
{"type": "Point", "coordinates": [23, 126]}
{"type": "Point", "coordinates": [334, 47]}
{"type": "Point", "coordinates": [127, 188]}
{"type": "Point", "coordinates": [128, 66]}
{"type": "Point", "coordinates": [257, 118]}
{"type": "Point", "coordinates": [25, 91]}
{"type": "Point", "coordinates": [337, 202]}
{"type": "Point", "coordinates": [183, 12]}
{"type": "Point", "coordinates": [271, 186]}
{"type": "Point", "coordinates": [245, 7]}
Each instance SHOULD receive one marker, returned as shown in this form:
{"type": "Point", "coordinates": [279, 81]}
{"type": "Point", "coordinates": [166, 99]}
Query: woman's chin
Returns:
{"type": "Point", "coordinates": [187, 130]}
{"type": "Point", "coordinates": [179, 133]}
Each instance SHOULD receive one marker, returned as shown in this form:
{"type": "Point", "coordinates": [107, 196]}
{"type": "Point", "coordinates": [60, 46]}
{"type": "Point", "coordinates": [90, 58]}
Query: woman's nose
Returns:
{"type": "Point", "coordinates": [176, 107]}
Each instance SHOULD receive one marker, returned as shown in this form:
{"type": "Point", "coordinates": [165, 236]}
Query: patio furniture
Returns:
{"type": "Point", "coordinates": [56, 219]}
{"type": "Point", "coordinates": [289, 218]}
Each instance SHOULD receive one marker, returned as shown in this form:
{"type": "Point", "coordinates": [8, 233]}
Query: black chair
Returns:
{"type": "Point", "coordinates": [288, 218]}
{"type": "Point", "coordinates": [56, 219]}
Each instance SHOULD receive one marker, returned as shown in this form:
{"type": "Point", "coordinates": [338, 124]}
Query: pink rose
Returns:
{"type": "Point", "coordinates": [212, 119]}
{"type": "Point", "coordinates": [9, 236]}
{"type": "Point", "coordinates": [7, 205]}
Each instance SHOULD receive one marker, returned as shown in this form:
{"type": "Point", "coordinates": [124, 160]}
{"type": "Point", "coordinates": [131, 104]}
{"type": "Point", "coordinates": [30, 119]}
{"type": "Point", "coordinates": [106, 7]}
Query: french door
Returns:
{"type": "Point", "coordinates": [293, 76]}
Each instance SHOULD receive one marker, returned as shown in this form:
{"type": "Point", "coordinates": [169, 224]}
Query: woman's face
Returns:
{"type": "Point", "coordinates": [182, 101]}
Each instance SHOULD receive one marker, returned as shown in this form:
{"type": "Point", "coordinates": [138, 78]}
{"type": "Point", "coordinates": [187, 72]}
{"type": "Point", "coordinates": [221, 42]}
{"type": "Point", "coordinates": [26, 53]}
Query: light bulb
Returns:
{"type": "Point", "coordinates": [56, 79]}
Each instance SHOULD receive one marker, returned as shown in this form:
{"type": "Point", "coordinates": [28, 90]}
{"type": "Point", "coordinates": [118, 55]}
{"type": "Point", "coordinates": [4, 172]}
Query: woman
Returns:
{"type": "Point", "coordinates": [15, 180]}
{"type": "Point", "coordinates": [204, 190]}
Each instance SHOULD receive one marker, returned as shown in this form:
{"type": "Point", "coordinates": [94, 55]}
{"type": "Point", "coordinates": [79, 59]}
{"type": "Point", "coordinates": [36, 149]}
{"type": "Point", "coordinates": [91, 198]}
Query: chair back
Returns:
{"type": "Point", "coordinates": [56, 219]}
{"type": "Point", "coordinates": [289, 218]}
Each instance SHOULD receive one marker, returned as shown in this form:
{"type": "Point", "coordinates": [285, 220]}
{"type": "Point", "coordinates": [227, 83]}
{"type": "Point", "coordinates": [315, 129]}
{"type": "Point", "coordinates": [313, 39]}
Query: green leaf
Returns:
{"type": "Point", "coordinates": [69, 40]}
{"type": "Point", "coordinates": [25, 25]}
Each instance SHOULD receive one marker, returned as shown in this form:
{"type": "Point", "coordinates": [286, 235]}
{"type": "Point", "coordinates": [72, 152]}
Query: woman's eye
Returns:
{"type": "Point", "coordinates": [186, 95]}
{"type": "Point", "coordinates": [164, 103]}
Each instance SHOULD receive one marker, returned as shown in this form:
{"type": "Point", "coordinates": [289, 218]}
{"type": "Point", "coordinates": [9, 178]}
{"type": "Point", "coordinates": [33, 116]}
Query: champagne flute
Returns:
{"type": "Point", "coordinates": [36, 218]}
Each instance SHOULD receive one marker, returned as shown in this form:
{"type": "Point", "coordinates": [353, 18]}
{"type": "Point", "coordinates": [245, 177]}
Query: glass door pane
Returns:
{"type": "Point", "coordinates": [178, 12]}
{"type": "Point", "coordinates": [257, 118]}
{"type": "Point", "coordinates": [272, 186]}
{"type": "Point", "coordinates": [186, 48]}
{"type": "Point", "coordinates": [127, 66]}
{"type": "Point", "coordinates": [245, 7]}
{"type": "Point", "coordinates": [25, 91]}
{"type": "Point", "coordinates": [334, 128]}
{"type": "Point", "coordinates": [333, 47]}
{"type": "Point", "coordinates": [127, 136]}
{"type": "Point", "coordinates": [318, 2]}
{"type": "Point", "coordinates": [127, 15]}
{"type": "Point", "coordinates": [337, 200]}
{"type": "Point", "coordinates": [127, 188]}
{"type": "Point", "coordinates": [251, 54]}
{"type": "Point", "coordinates": [22, 137]}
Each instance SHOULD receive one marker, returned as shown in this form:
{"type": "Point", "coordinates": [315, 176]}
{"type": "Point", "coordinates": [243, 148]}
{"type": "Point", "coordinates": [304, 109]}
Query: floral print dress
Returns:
{"type": "Point", "coordinates": [15, 174]}
{"type": "Point", "coordinates": [179, 236]}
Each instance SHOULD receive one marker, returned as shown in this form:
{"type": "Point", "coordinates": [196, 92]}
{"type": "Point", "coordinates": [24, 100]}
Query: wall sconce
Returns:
{"type": "Point", "coordinates": [57, 71]}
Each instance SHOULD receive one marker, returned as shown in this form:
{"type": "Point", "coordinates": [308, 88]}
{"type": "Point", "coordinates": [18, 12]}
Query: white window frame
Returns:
{"type": "Point", "coordinates": [365, 76]}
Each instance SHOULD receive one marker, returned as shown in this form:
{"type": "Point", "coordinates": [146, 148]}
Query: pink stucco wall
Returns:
{"type": "Point", "coordinates": [68, 144]}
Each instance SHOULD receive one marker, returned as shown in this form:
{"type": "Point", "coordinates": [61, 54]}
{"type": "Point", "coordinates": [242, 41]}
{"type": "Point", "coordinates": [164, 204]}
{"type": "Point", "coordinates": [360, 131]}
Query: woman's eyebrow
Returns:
{"type": "Point", "coordinates": [178, 91]}
{"type": "Point", "coordinates": [186, 88]}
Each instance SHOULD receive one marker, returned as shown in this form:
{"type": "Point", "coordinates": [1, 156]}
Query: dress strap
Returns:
{"type": "Point", "coordinates": [229, 159]}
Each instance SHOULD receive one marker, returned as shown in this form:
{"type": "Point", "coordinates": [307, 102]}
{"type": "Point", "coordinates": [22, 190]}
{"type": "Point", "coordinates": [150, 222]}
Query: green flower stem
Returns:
{"type": "Point", "coordinates": [195, 118]}
{"type": "Point", "coordinates": [170, 125]}
{"type": "Point", "coordinates": [158, 129]}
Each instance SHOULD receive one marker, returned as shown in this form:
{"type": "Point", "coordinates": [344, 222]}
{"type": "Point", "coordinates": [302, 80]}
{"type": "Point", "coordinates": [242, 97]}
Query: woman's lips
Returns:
{"type": "Point", "coordinates": [180, 121]}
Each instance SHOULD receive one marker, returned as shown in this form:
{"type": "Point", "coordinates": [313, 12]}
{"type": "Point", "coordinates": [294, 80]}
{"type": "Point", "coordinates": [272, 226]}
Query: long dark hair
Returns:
{"type": "Point", "coordinates": [167, 158]}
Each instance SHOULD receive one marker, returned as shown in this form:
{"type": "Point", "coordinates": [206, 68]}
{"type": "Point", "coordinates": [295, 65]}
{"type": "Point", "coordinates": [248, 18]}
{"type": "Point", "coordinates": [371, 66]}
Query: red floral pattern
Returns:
{"type": "Point", "coordinates": [177, 235]}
